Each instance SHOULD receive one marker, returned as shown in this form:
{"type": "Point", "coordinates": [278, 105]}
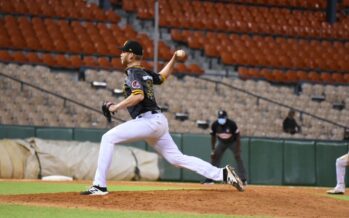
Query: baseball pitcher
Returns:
{"type": "Point", "coordinates": [148, 123]}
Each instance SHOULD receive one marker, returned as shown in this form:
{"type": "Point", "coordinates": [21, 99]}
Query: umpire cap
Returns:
{"type": "Point", "coordinates": [133, 47]}
{"type": "Point", "coordinates": [222, 114]}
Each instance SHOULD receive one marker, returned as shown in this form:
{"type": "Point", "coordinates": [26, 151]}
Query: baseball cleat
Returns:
{"type": "Point", "coordinates": [232, 178]}
{"type": "Point", "coordinates": [335, 192]}
{"type": "Point", "coordinates": [95, 190]}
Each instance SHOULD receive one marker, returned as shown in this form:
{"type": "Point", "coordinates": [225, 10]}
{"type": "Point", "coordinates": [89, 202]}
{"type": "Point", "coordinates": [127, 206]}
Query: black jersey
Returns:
{"type": "Point", "coordinates": [227, 132]}
{"type": "Point", "coordinates": [140, 81]}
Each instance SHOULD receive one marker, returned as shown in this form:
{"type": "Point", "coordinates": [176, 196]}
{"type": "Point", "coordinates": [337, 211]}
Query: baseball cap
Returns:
{"type": "Point", "coordinates": [222, 114]}
{"type": "Point", "coordinates": [133, 47]}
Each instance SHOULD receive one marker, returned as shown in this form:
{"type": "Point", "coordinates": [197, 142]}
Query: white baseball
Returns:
{"type": "Point", "coordinates": [180, 53]}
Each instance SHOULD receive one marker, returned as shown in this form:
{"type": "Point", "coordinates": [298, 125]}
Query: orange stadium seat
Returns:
{"type": "Point", "coordinates": [46, 43]}
{"type": "Point", "coordinates": [116, 64]}
{"type": "Point", "coordinates": [60, 45]}
{"type": "Point", "coordinates": [338, 77]}
{"type": "Point", "coordinates": [346, 78]}
{"type": "Point", "coordinates": [165, 52]}
{"type": "Point", "coordinates": [181, 68]}
{"type": "Point", "coordinates": [5, 56]}
{"type": "Point", "coordinates": [90, 61]}
{"type": "Point", "coordinates": [33, 43]}
{"type": "Point", "coordinates": [146, 65]}
{"type": "Point", "coordinates": [113, 50]}
{"type": "Point", "coordinates": [62, 61]}
{"type": "Point", "coordinates": [291, 76]}
{"type": "Point", "coordinates": [129, 32]}
{"type": "Point", "coordinates": [75, 61]}
{"type": "Point", "coordinates": [129, 6]}
{"type": "Point", "coordinates": [267, 74]}
{"type": "Point", "coordinates": [48, 60]}
{"type": "Point", "coordinates": [19, 57]}
{"type": "Point", "coordinates": [280, 76]}
{"type": "Point", "coordinates": [195, 69]}
{"type": "Point", "coordinates": [74, 46]}
{"type": "Point", "coordinates": [112, 16]}
{"type": "Point", "coordinates": [247, 73]}
{"type": "Point", "coordinates": [101, 48]}
{"type": "Point", "coordinates": [194, 42]}
{"type": "Point", "coordinates": [314, 77]}
{"type": "Point", "coordinates": [104, 62]}
{"type": "Point", "coordinates": [33, 58]}
{"type": "Point", "coordinates": [5, 40]}
{"type": "Point", "coordinates": [326, 77]}
{"type": "Point", "coordinates": [88, 48]}
{"type": "Point", "coordinates": [211, 50]}
{"type": "Point", "coordinates": [176, 35]}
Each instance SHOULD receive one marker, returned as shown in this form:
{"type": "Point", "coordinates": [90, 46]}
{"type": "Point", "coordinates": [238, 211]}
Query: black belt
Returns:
{"type": "Point", "coordinates": [152, 112]}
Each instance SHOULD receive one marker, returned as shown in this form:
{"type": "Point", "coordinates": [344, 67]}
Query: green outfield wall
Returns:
{"type": "Point", "coordinates": [268, 161]}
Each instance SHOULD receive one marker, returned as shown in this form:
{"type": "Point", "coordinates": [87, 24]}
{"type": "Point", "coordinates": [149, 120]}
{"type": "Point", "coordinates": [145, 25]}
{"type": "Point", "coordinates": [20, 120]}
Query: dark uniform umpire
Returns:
{"type": "Point", "coordinates": [226, 134]}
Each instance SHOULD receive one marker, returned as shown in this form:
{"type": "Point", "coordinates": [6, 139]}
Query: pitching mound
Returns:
{"type": "Point", "coordinates": [197, 198]}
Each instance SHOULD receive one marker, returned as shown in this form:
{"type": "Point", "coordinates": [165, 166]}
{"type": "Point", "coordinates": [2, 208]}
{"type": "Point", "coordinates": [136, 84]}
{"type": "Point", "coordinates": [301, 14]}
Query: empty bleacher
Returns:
{"type": "Point", "coordinates": [264, 41]}
{"type": "Point", "coordinates": [281, 36]}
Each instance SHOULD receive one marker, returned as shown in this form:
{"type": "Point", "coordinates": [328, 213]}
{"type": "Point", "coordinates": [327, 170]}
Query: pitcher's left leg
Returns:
{"type": "Point", "coordinates": [133, 130]}
{"type": "Point", "coordinates": [169, 150]}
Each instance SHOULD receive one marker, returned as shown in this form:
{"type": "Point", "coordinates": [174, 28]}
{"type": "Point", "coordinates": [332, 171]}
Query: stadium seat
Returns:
{"type": "Point", "coordinates": [5, 56]}
{"type": "Point", "coordinates": [33, 58]}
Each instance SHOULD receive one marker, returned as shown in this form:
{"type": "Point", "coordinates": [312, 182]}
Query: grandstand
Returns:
{"type": "Point", "coordinates": [255, 59]}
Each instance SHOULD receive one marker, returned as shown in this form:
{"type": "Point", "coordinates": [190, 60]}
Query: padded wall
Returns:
{"type": "Point", "coordinates": [198, 146]}
{"type": "Point", "coordinates": [55, 133]}
{"type": "Point", "coordinates": [326, 155]}
{"type": "Point", "coordinates": [299, 163]}
{"type": "Point", "coordinates": [16, 132]}
{"type": "Point", "coordinates": [266, 161]}
{"type": "Point", "coordinates": [92, 135]}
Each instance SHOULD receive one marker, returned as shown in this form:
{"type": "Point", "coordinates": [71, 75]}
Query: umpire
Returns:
{"type": "Point", "coordinates": [226, 134]}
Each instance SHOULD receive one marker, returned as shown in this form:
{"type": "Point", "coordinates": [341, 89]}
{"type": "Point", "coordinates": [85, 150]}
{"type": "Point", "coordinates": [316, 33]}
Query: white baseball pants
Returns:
{"type": "Point", "coordinates": [341, 163]}
{"type": "Point", "coordinates": [153, 128]}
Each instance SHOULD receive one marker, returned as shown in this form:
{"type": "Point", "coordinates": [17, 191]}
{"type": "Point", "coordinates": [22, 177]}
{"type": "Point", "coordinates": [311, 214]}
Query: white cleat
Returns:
{"type": "Point", "coordinates": [336, 191]}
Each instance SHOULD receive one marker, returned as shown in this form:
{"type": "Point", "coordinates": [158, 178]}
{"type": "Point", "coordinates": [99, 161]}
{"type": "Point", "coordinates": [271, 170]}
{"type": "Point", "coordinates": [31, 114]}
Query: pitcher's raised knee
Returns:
{"type": "Point", "coordinates": [108, 138]}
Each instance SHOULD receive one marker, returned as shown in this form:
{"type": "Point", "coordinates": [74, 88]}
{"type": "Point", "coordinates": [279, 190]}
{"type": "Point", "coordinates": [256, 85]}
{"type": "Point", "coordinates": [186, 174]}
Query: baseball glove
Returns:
{"type": "Point", "coordinates": [105, 109]}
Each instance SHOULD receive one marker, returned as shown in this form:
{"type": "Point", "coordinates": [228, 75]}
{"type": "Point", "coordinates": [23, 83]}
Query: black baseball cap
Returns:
{"type": "Point", "coordinates": [222, 114]}
{"type": "Point", "coordinates": [133, 47]}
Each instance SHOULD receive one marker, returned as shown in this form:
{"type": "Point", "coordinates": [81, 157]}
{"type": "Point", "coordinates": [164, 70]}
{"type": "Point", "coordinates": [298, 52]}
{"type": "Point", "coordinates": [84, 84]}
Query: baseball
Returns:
{"type": "Point", "coordinates": [181, 55]}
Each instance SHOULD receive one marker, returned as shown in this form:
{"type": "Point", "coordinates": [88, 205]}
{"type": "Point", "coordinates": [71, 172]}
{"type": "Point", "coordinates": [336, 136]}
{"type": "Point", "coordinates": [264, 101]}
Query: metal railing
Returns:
{"type": "Point", "coordinates": [259, 97]}
{"type": "Point", "coordinates": [65, 99]}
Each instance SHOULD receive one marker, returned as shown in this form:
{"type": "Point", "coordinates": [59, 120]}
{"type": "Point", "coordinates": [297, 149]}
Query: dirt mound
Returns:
{"type": "Point", "coordinates": [213, 199]}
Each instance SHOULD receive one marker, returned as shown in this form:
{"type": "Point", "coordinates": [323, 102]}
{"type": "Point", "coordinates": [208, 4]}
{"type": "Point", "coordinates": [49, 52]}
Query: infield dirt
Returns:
{"type": "Point", "coordinates": [201, 199]}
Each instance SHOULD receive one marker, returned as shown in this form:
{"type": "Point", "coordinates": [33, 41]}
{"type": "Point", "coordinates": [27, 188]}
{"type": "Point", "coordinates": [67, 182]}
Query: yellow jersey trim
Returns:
{"type": "Point", "coordinates": [163, 78]}
{"type": "Point", "coordinates": [137, 92]}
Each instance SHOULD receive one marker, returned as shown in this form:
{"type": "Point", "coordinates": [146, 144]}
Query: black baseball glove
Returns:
{"type": "Point", "coordinates": [105, 109]}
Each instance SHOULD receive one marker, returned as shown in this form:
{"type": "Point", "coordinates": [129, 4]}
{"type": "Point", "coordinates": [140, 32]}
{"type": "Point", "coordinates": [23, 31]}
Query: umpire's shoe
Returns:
{"type": "Point", "coordinates": [230, 177]}
{"type": "Point", "coordinates": [95, 190]}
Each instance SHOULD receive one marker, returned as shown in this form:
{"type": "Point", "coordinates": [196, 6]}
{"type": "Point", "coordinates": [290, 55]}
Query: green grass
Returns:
{"type": "Point", "coordinates": [12, 188]}
{"type": "Point", "coordinates": [14, 211]}
{"type": "Point", "coordinates": [340, 197]}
